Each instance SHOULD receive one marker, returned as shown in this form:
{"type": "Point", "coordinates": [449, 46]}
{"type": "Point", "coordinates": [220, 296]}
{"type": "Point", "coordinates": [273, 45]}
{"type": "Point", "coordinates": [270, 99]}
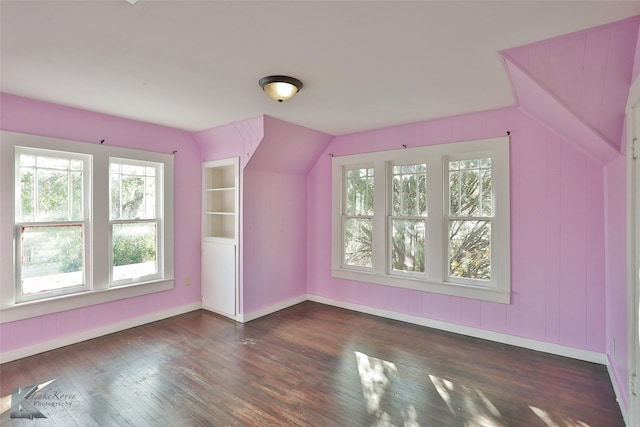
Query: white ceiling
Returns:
{"type": "Point", "coordinates": [195, 65]}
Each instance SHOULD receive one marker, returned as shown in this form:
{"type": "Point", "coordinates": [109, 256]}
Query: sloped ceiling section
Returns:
{"type": "Point", "coordinates": [236, 139]}
{"type": "Point", "coordinates": [266, 144]}
{"type": "Point", "coordinates": [579, 83]}
{"type": "Point", "coordinates": [288, 148]}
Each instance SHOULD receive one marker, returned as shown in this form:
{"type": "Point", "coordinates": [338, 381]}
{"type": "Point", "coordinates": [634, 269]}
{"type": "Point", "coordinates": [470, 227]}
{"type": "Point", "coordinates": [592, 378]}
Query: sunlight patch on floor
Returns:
{"type": "Point", "coordinates": [374, 377]}
{"type": "Point", "coordinates": [469, 406]}
{"type": "Point", "coordinates": [468, 403]}
{"type": "Point", "coordinates": [547, 418]}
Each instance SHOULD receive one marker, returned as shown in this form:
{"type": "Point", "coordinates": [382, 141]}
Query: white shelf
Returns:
{"type": "Point", "coordinates": [220, 199]}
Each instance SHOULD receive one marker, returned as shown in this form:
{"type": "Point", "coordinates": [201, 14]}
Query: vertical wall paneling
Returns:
{"type": "Point", "coordinates": [553, 232]}
{"type": "Point", "coordinates": [588, 72]}
{"type": "Point", "coordinates": [573, 243]}
{"type": "Point", "coordinates": [42, 118]}
{"type": "Point", "coordinates": [553, 228]}
{"type": "Point", "coordinates": [595, 272]}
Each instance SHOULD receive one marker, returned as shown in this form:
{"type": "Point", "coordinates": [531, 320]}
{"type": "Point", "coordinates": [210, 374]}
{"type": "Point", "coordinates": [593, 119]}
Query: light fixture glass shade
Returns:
{"type": "Point", "coordinates": [280, 88]}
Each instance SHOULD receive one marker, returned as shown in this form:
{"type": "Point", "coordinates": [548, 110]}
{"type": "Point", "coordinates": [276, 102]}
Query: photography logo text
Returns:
{"type": "Point", "coordinates": [27, 402]}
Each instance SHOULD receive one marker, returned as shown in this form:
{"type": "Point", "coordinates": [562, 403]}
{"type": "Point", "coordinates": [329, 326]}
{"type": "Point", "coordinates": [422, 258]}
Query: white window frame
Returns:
{"type": "Point", "coordinates": [436, 277]}
{"type": "Point", "coordinates": [157, 219]}
{"type": "Point", "coordinates": [345, 217]}
{"type": "Point", "coordinates": [98, 260]}
{"type": "Point", "coordinates": [84, 222]}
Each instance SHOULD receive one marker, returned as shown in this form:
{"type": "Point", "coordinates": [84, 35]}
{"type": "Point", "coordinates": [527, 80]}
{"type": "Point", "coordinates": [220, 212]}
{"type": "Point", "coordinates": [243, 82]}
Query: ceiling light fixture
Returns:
{"type": "Point", "coordinates": [280, 88]}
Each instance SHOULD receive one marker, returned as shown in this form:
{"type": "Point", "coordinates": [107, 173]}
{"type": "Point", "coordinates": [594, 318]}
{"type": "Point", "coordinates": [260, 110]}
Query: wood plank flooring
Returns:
{"type": "Point", "coordinates": [308, 365]}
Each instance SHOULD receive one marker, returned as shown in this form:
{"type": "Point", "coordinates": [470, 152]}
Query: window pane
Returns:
{"type": "Point", "coordinates": [51, 189]}
{"type": "Point", "coordinates": [133, 191]}
{"type": "Point", "coordinates": [27, 160]}
{"type": "Point", "coordinates": [469, 193]}
{"type": "Point", "coordinates": [470, 188]}
{"type": "Point", "coordinates": [25, 210]}
{"type": "Point", "coordinates": [52, 163]}
{"type": "Point", "coordinates": [76, 195]}
{"type": "Point", "coordinates": [115, 194]}
{"type": "Point", "coordinates": [150, 197]}
{"type": "Point", "coordinates": [454, 193]}
{"type": "Point", "coordinates": [134, 250]}
{"type": "Point", "coordinates": [487, 200]}
{"type": "Point", "coordinates": [408, 245]}
{"type": "Point", "coordinates": [410, 190]}
{"type": "Point", "coordinates": [359, 192]}
{"type": "Point", "coordinates": [53, 195]}
{"type": "Point", "coordinates": [52, 258]}
{"type": "Point", "coordinates": [132, 197]}
{"type": "Point", "coordinates": [470, 249]}
{"type": "Point", "coordinates": [358, 250]}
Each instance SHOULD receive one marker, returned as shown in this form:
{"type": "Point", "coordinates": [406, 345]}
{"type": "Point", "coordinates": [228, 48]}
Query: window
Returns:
{"type": "Point", "coordinates": [51, 219]}
{"type": "Point", "coordinates": [469, 218]}
{"type": "Point", "coordinates": [89, 224]}
{"type": "Point", "coordinates": [135, 203]}
{"type": "Point", "coordinates": [408, 217]}
{"type": "Point", "coordinates": [357, 220]}
{"type": "Point", "coordinates": [432, 218]}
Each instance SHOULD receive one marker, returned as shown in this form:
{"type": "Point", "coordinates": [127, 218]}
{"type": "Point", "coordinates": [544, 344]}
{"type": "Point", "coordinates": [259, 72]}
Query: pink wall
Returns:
{"type": "Point", "coordinates": [41, 118]}
{"type": "Point", "coordinates": [274, 158]}
{"type": "Point", "coordinates": [589, 72]}
{"type": "Point", "coordinates": [557, 218]}
{"type": "Point", "coordinates": [237, 139]}
{"type": "Point", "coordinates": [578, 84]}
{"type": "Point", "coordinates": [275, 234]}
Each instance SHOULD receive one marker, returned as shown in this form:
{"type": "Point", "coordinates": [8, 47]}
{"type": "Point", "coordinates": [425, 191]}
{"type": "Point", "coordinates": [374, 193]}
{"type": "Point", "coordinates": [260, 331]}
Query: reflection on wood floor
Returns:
{"type": "Point", "coordinates": [308, 365]}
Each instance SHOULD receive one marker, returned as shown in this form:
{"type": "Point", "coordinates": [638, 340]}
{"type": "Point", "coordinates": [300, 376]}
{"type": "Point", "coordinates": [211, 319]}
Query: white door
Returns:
{"type": "Point", "coordinates": [219, 278]}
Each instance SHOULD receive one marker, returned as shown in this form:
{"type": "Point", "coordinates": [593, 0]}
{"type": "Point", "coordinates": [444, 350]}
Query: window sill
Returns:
{"type": "Point", "coordinates": [501, 296]}
{"type": "Point", "coordinates": [30, 309]}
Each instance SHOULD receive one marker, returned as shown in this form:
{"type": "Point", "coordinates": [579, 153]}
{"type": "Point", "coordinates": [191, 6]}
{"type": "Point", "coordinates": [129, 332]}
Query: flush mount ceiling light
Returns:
{"type": "Point", "coordinates": [280, 88]}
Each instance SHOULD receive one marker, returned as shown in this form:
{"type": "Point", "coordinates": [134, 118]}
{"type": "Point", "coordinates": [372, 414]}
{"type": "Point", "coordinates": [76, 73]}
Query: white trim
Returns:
{"type": "Point", "coordinates": [616, 389]}
{"type": "Point", "coordinates": [632, 419]}
{"type": "Point", "coordinates": [36, 308]}
{"type": "Point", "coordinates": [235, 317]}
{"type": "Point", "coordinates": [247, 317]}
{"type": "Point", "coordinates": [557, 349]}
{"type": "Point", "coordinates": [99, 287]}
{"type": "Point", "coordinates": [19, 353]}
{"type": "Point", "coordinates": [460, 290]}
{"type": "Point", "coordinates": [435, 279]}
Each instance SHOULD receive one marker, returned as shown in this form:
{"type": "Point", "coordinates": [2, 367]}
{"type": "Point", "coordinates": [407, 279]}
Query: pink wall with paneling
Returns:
{"type": "Point", "coordinates": [636, 62]}
{"type": "Point", "coordinates": [35, 117]}
{"type": "Point", "coordinates": [275, 158]}
{"type": "Point", "coordinates": [557, 221]}
{"type": "Point", "coordinates": [275, 235]}
{"type": "Point", "coordinates": [589, 72]}
{"type": "Point", "coordinates": [237, 139]}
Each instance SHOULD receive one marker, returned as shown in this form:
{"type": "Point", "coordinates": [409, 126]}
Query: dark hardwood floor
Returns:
{"type": "Point", "coordinates": [308, 365]}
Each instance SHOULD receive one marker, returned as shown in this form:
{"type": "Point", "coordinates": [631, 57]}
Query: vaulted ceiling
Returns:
{"type": "Point", "coordinates": [195, 65]}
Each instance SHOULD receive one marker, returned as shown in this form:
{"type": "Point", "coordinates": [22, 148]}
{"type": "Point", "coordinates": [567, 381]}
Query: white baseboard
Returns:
{"type": "Point", "coordinates": [580, 354]}
{"type": "Point", "coordinates": [616, 388]}
{"type": "Point", "coordinates": [247, 317]}
{"type": "Point", "coordinates": [221, 313]}
{"type": "Point", "coordinates": [574, 353]}
{"type": "Point", "coordinates": [41, 347]}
